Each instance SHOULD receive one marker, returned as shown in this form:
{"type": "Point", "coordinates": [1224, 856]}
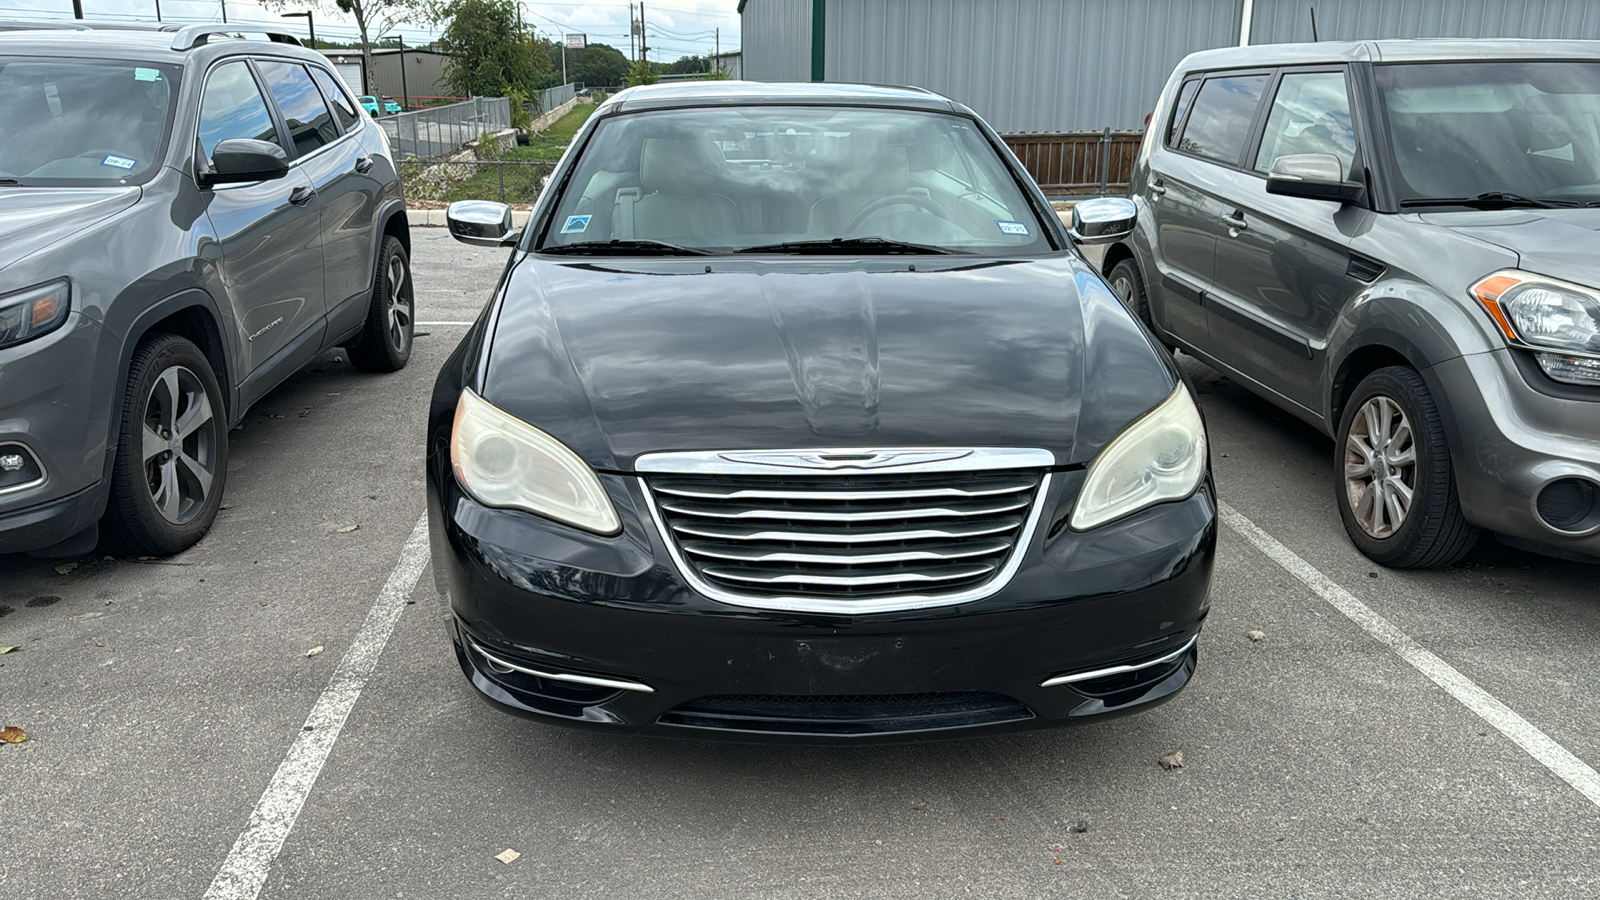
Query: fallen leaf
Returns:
{"type": "Point", "coordinates": [314, 650]}
{"type": "Point", "coordinates": [99, 643]}
{"type": "Point", "coordinates": [1257, 636]}
{"type": "Point", "coordinates": [5, 650]}
{"type": "Point", "coordinates": [262, 604]}
{"type": "Point", "coordinates": [346, 529]}
{"type": "Point", "coordinates": [507, 856]}
{"type": "Point", "coordinates": [226, 506]}
{"type": "Point", "coordinates": [65, 568]}
{"type": "Point", "coordinates": [11, 734]}
{"type": "Point", "coordinates": [1173, 760]}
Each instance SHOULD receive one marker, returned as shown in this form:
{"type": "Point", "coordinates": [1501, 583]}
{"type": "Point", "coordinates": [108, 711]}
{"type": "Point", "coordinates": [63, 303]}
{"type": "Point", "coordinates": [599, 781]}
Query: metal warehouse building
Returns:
{"type": "Point", "coordinates": [1083, 65]}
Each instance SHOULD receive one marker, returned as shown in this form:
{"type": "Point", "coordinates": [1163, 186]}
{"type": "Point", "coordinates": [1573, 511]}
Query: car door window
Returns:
{"type": "Point", "coordinates": [233, 108]}
{"type": "Point", "coordinates": [1185, 97]}
{"type": "Point", "coordinates": [1219, 126]}
{"type": "Point", "coordinates": [344, 109]}
{"type": "Point", "coordinates": [1310, 114]}
{"type": "Point", "coordinates": [310, 123]}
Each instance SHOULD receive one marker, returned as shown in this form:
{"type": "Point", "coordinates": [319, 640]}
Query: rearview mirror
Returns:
{"type": "Point", "coordinates": [1315, 176]}
{"type": "Point", "coordinates": [239, 160]}
{"type": "Point", "coordinates": [482, 223]}
{"type": "Point", "coordinates": [1102, 220]}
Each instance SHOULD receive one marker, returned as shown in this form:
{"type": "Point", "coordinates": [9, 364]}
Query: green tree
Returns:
{"type": "Point", "coordinates": [641, 73]}
{"type": "Point", "coordinates": [489, 53]}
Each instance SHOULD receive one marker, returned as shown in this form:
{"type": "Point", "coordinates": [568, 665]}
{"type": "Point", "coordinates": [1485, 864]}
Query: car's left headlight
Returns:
{"type": "Point", "coordinates": [1546, 314]}
{"type": "Point", "coordinates": [1160, 457]}
{"type": "Point", "coordinates": [505, 462]}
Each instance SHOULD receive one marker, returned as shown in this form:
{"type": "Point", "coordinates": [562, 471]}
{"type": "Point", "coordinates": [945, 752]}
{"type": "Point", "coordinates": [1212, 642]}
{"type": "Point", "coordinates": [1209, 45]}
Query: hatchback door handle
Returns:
{"type": "Point", "coordinates": [1157, 188]}
{"type": "Point", "coordinates": [1236, 224]}
{"type": "Point", "coordinates": [364, 164]}
{"type": "Point", "coordinates": [300, 196]}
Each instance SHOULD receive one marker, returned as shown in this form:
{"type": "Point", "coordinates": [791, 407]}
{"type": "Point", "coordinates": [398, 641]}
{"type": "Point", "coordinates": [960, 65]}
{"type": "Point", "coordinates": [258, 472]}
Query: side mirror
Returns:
{"type": "Point", "coordinates": [1102, 220]}
{"type": "Point", "coordinates": [482, 223]}
{"type": "Point", "coordinates": [1315, 176]}
{"type": "Point", "coordinates": [243, 159]}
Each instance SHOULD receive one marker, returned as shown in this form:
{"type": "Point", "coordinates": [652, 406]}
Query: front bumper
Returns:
{"type": "Point", "coordinates": [531, 598]}
{"type": "Point", "coordinates": [1514, 433]}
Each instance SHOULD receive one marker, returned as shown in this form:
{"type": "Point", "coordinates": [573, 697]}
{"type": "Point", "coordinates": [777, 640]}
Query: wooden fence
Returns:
{"type": "Point", "coordinates": [1083, 162]}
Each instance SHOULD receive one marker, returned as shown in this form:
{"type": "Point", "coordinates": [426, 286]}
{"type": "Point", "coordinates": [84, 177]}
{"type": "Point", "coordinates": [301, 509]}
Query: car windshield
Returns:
{"type": "Point", "coordinates": [82, 122]}
{"type": "Point", "coordinates": [1510, 132]}
{"type": "Point", "coordinates": [792, 179]}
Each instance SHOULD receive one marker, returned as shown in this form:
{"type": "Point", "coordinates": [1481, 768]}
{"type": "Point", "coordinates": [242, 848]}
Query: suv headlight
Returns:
{"type": "Point", "coordinates": [1160, 457]}
{"type": "Point", "coordinates": [1546, 314]}
{"type": "Point", "coordinates": [34, 312]}
{"type": "Point", "coordinates": [503, 461]}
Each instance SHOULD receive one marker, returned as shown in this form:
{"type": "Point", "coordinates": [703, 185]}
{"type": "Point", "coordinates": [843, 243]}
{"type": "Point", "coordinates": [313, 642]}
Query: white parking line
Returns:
{"type": "Point", "coordinates": [444, 324]}
{"type": "Point", "coordinates": [1523, 733]}
{"type": "Point", "coordinates": [248, 863]}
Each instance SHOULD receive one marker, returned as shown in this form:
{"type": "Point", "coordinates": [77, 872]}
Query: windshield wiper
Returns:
{"type": "Point", "coordinates": [621, 247]}
{"type": "Point", "coordinates": [846, 245]}
{"type": "Point", "coordinates": [1490, 200]}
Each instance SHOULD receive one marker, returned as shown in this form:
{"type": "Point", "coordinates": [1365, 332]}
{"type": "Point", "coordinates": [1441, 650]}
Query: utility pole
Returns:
{"type": "Point", "coordinates": [77, 9]}
{"type": "Point", "coordinates": [632, 28]}
{"type": "Point", "coordinates": [405, 92]}
{"type": "Point", "coordinates": [224, 11]}
{"type": "Point", "coordinates": [158, 10]}
{"type": "Point", "coordinates": [716, 57]}
{"type": "Point", "coordinates": [308, 15]}
{"type": "Point", "coordinates": [644, 39]}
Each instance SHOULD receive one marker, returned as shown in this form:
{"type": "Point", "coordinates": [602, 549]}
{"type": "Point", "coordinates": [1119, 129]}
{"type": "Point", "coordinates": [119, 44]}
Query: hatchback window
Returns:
{"type": "Point", "coordinates": [1185, 97]}
{"type": "Point", "coordinates": [310, 123]}
{"type": "Point", "coordinates": [1311, 114]}
{"type": "Point", "coordinates": [233, 109]}
{"type": "Point", "coordinates": [741, 179]}
{"type": "Point", "coordinates": [344, 109]}
{"type": "Point", "coordinates": [1460, 130]}
{"type": "Point", "coordinates": [80, 122]}
{"type": "Point", "coordinates": [1219, 126]}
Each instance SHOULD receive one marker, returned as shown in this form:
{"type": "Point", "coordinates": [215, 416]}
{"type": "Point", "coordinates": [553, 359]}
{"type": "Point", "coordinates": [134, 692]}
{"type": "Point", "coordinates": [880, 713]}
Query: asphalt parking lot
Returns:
{"type": "Point", "coordinates": [1396, 734]}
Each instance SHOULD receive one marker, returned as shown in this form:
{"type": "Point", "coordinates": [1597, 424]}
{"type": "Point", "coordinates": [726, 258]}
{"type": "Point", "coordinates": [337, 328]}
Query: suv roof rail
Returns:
{"type": "Point", "coordinates": [191, 36]}
{"type": "Point", "coordinates": [43, 25]}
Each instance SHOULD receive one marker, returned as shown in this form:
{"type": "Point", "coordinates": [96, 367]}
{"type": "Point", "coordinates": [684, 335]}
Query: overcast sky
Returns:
{"type": "Point", "coordinates": [677, 27]}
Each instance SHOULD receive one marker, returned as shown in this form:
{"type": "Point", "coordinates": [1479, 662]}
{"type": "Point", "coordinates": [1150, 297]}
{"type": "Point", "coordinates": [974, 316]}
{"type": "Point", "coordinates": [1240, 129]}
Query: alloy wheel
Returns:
{"type": "Point", "coordinates": [399, 305]}
{"type": "Point", "coordinates": [1380, 466]}
{"type": "Point", "coordinates": [179, 445]}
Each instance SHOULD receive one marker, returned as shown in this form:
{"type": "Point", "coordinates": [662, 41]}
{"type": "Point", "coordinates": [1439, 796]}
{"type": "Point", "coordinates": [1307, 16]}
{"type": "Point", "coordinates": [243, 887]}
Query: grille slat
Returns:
{"type": "Point", "coordinates": [847, 539]}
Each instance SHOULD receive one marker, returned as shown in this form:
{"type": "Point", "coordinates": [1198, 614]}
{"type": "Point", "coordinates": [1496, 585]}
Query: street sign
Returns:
{"type": "Point", "coordinates": [577, 41]}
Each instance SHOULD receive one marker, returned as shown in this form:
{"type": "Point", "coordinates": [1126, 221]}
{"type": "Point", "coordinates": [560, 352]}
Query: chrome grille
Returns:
{"type": "Point", "coordinates": [847, 542]}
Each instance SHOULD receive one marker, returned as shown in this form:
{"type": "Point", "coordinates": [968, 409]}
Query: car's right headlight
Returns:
{"type": "Point", "coordinates": [34, 312]}
{"type": "Point", "coordinates": [505, 462]}
{"type": "Point", "coordinates": [1160, 457]}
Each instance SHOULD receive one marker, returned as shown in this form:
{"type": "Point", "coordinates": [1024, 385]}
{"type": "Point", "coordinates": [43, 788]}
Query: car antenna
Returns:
{"type": "Point", "coordinates": [1313, 24]}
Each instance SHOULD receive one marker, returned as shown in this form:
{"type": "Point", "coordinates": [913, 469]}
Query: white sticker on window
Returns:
{"type": "Point", "coordinates": [146, 75]}
{"type": "Point", "coordinates": [1012, 228]}
{"type": "Point", "coordinates": [119, 162]}
{"type": "Point", "coordinates": [576, 224]}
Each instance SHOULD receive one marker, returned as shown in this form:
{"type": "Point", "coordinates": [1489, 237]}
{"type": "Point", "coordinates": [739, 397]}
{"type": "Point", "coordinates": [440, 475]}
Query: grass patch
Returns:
{"type": "Point", "coordinates": [549, 146]}
{"type": "Point", "coordinates": [517, 183]}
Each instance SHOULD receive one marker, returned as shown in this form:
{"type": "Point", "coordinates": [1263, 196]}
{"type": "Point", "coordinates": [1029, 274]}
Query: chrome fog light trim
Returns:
{"type": "Point", "coordinates": [1119, 670]}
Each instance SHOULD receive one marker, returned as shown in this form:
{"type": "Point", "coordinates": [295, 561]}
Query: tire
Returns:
{"type": "Point", "coordinates": [1128, 285]}
{"type": "Point", "coordinates": [166, 490]}
{"type": "Point", "coordinates": [1391, 439]}
{"type": "Point", "coordinates": [385, 341]}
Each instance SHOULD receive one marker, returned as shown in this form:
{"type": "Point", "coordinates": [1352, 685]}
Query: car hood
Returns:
{"type": "Point", "coordinates": [34, 218]}
{"type": "Point", "coordinates": [617, 360]}
{"type": "Point", "coordinates": [1562, 243]}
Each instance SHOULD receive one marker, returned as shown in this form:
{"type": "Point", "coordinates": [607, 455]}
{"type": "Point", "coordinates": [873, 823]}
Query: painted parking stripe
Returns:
{"type": "Point", "coordinates": [444, 324]}
{"type": "Point", "coordinates": [248, 863]}
{"type": "Point", "coordinates": [1523, 733]}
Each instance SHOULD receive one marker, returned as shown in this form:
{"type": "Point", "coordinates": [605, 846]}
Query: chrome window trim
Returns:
{"type": "Point", "coordinates": [713, 463]}
{"type": "Point", "coordinates": [44, 475]}
{"type": "Point", "coordinates": [591, 680]}
{"type": "Point", "coordinates": [1120, 670]}
{"type": "Point", "coordinates": [800, 461]}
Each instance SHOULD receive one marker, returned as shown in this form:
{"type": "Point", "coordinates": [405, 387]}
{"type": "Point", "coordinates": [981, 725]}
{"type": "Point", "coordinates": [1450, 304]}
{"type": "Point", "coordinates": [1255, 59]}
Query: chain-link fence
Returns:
{"type": "Point", "coordinates": [432, 133]}
{"type": "Point", "coordinates": [439, 181]}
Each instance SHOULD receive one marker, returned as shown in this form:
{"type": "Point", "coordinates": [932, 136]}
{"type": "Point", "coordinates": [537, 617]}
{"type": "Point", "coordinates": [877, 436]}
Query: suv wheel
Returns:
{"type": "Point", "coordinates": [172, 454]}
{"type": "Point", "coordinates": [1396, 491]}
{"type": "Point", "coordinates": [385, 341]}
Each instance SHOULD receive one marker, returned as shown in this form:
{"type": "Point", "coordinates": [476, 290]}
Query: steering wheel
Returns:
{"type": "Point", "coordinates": [924, 203]}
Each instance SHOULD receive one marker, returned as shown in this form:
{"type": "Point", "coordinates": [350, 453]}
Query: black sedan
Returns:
{"type": "Point", "coordinates": [796, 416]}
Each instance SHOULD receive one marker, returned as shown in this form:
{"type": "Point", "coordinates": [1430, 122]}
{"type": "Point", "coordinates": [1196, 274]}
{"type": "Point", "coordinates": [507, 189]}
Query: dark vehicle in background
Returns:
{"type": "Point", "coordinates": [1397, 242]}
{"type": "Point", "coordinates": [796, 416]}
{"type": "Point", "coordinates": [185, 221]}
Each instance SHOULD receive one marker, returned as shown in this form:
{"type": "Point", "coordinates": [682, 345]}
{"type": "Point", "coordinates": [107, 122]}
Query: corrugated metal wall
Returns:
{"type": "Point", "coordinates": [775, 38]}
{"type": "Point", "coordinates": [1286, 21]}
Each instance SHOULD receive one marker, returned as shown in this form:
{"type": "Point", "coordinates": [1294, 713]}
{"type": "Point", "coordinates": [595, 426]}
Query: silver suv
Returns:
{"type": "Point", "coordinates": [1395, 241]}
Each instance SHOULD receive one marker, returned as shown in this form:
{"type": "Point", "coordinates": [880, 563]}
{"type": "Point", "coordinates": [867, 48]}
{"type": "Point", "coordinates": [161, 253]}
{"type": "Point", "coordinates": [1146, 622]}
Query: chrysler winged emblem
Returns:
{"type": "Point", "coordinates": [845, 459]}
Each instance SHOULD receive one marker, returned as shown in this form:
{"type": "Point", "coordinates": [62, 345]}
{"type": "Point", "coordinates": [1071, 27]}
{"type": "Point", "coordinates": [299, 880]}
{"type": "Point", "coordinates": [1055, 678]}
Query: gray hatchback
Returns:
{"type": "Point", "coordinates": [1395, 241]}
{"type": "Point", "coordinates": [185, 221]}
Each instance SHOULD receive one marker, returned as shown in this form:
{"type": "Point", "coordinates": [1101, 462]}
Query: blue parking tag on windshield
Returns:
{"type": "Point", "coordinates": [1012, 228]}
{"type": "Point", "coordinates": [118, 162]}
{"type": "Point", "coordinates": [576, 224]}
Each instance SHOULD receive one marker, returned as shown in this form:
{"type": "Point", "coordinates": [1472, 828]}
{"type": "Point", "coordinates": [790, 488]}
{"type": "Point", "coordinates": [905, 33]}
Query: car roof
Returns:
{"type": "Point", "coordinates": [128, 40]}
{"type": "Point", "coordinates": [755, 93]}
{"type": "Point", "coordinates": [1411, 50]}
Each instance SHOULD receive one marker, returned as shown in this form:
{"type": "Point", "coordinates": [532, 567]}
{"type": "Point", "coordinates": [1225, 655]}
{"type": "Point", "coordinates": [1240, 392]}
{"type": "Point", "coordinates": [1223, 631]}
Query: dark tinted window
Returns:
{"type": "Point", "coordinates": [67, 122]}
{"type": "Point", "coordinates": [1185, 97]}
{"type": "Point", "coordinates": [233, 108]}
{"type": "Point", "coordinates": [1219, 126]}
{"type": "Point", "coordinates": [344, 109]}
{"type": "Point", "coordinates": [310, 123]}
